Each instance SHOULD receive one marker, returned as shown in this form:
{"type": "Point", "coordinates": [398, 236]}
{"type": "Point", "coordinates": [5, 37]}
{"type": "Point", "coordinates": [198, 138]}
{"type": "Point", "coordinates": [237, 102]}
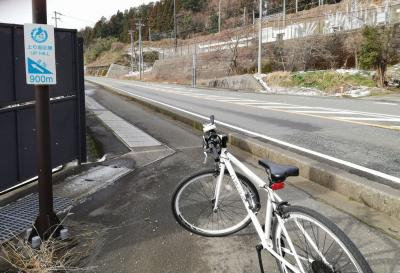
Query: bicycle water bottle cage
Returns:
{"type": "Point", "coordinates": [278, 173]}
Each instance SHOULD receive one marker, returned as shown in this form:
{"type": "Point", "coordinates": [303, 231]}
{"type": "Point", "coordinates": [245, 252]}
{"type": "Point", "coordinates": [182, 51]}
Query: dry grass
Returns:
{"type": "Point", "coordinates": [278, 78]}
{"type": "Point", "coordinates": [53, 255]}
{"type": "Point", "coordinates": [117, 54]}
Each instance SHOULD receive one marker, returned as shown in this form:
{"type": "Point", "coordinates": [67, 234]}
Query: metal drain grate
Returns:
{"type": "Point", "coordinates": [18, 216]}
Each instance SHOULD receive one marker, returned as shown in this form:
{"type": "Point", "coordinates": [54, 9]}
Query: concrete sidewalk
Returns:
{"type": "Point", "coordinates": [134, 227]}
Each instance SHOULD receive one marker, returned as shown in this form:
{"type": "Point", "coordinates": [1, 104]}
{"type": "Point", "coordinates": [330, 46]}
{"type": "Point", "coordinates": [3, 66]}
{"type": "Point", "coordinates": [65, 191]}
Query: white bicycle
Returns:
{"type": "Point", "coordinates": [220, 202]}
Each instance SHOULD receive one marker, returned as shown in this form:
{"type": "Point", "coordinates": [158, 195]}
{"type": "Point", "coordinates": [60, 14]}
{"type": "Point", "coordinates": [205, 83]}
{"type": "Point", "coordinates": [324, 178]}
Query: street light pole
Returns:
{"type": "Point", "coordinates": [47, 222]}
{"type": "Point", "coordinates": [260, 38]}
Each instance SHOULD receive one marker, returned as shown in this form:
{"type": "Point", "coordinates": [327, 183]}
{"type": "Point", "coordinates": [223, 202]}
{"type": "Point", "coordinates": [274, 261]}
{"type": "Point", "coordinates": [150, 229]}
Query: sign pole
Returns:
{"type": "Point", "coordinates": [47, 222]}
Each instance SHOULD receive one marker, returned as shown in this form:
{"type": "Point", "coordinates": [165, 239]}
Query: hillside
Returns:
{"type": "Point", "coordinates": [194, 17]}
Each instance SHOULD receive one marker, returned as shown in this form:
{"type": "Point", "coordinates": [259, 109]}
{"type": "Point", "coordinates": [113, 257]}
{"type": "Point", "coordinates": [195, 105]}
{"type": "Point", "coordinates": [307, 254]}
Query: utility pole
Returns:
{"type": "Point", "coordinates": [140, 25]}
{"type": "Point", "coordinates": [56, 18]}
{"type": "Point", "coordinates": [219, 16]}
{"type": "Point", "coordinates": [175, 28]}
{"type": "Point", "coordinates": [244, 16]}
{"type": "Point", "coordinates": [254, 17]}
{"type": "Point", "coordinates": [132, 33]}
{"type": "Point", "coordinates": [297, 6]}
{"type": "Point", "coordinates": [260, 38]}
{"type": "Point", "coordinates": [149, 33]}
{"type": "Point", "coordinates": [194, 71]}
{"type": "Point", "coordinates": [47, 222]}
{"type": "Point", "coordinates": [284, 13]}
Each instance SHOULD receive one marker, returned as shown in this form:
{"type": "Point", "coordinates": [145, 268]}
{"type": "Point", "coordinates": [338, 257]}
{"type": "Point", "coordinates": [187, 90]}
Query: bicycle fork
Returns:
{"type": "Point", "coordinates": [218, 186]}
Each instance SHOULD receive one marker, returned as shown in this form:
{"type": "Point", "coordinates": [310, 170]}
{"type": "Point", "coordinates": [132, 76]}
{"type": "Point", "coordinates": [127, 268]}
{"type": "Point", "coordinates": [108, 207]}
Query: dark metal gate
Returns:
{"type": "Point", "coordinates": [17, 106]}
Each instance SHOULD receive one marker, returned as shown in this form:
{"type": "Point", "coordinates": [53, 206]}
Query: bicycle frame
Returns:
{"type": "Point", "coordinates": [226, 162]}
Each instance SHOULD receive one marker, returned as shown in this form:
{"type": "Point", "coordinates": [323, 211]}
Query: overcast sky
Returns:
{"type": "Point", "coordinates": [78, 13]}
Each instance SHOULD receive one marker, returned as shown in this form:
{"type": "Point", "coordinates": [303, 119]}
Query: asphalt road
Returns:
{"type": "Point", "coordinates": [133, 227]}
{"type": "Point", "coordinates": [361, 132]}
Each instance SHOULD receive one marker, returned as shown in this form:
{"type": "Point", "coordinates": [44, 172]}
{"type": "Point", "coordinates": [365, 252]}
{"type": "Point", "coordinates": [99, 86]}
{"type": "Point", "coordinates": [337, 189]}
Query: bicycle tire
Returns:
{"type": "Point", "coordinates": [193, 227]}
{"type": "Point", "coordinates": [355, 258]}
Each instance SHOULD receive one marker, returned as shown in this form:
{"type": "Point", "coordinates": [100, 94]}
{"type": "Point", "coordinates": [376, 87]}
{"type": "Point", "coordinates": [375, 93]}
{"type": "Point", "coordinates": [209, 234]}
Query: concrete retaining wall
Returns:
{"type": "Point", "coordinates": [211, 65]}
{"type": "Point", "coordinates": [240, 82]}
{"type": "Point", "coordinates": [116, 71]}
{"type": "Point", "coordinates": [96, 70]}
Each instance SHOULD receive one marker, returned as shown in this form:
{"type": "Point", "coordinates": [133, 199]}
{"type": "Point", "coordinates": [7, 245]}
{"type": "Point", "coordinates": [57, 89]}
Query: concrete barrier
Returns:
{"type": "Point", "coordinates": [375, 195]}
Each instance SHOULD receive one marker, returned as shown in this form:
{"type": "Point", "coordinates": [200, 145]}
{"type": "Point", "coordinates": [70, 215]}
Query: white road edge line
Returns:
{"type": "Point", "coordinates": [280, 142]}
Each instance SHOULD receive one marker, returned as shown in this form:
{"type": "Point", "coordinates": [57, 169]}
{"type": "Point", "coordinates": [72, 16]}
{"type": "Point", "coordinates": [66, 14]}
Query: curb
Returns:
{"type": "Point", "coordinates": [377, 196]}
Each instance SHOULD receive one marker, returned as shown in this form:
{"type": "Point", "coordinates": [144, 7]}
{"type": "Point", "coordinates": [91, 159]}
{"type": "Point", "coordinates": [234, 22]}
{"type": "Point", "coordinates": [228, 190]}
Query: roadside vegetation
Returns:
{"type": "Point", "coordinates": [97, 47]}
{"type": "Point", "coordinates": [327, 81]}
{"type": "Point", "coordinates": [373, 50]}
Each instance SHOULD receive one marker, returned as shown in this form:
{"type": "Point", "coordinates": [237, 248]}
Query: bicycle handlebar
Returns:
{"type": "Point", "coordinates": [213, 143]}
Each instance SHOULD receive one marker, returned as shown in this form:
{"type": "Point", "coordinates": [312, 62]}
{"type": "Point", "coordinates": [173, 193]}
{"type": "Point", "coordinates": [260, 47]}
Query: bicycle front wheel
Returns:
{"type": "Point", "coordinates": [193, 203]}
{"type": "Point", "coordinates": [321, 247]}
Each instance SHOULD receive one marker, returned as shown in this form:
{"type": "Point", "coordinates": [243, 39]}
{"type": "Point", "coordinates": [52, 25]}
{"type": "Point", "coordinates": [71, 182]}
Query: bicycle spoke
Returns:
{"type": "Point", "coordinates": [315, 248]}
{"type": "Point", "coordinates": [195, 203]}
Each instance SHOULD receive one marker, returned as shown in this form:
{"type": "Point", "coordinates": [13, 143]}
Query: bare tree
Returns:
{"type": "Point", "coordinates": [352, 47]}
{"type": "Point", "coordinates": [279, 52]}
{"type": "Point", "coordinates": [233, 56]}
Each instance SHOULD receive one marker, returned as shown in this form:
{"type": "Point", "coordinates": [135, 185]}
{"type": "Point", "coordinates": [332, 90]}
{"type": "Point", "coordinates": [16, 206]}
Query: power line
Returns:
{"type": "Point", "coordinates": [79, 19]}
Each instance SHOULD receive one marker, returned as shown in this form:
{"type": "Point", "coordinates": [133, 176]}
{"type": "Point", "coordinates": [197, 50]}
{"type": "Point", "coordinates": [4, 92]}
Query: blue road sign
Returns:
{"type": "Point", "coordinates": [36, 68]}
{"type": "Point", "coordinates": [40, 60]}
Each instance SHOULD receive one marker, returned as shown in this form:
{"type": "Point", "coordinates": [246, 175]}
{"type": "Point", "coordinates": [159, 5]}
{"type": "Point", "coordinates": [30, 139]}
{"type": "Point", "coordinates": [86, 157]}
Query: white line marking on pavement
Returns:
{"type": "Point", "coordinates": [284, 107]}
{"type": "Point", "coordinates": [370, 119]}
{"type": "Point", "coordinates": [235, 100]}
{"type": "Point", "coordinates": [264, 103]}
{"type": "Point", "coordinates": [274, 140]}
{"type": "Point", "coordinates": [386, 103]}
{"type": "Point", "coordinates": [324, 112]}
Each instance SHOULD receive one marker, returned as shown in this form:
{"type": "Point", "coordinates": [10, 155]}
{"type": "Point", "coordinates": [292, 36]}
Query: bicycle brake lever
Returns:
{"type": "Point", "coordinates": [205, 158]}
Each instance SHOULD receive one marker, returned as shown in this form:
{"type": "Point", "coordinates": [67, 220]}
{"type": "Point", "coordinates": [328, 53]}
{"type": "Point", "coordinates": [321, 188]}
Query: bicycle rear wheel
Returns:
{"type": "Point", "coordinates": [320, 245]}
{"type": "Point", "coordinates": [192, 204]}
